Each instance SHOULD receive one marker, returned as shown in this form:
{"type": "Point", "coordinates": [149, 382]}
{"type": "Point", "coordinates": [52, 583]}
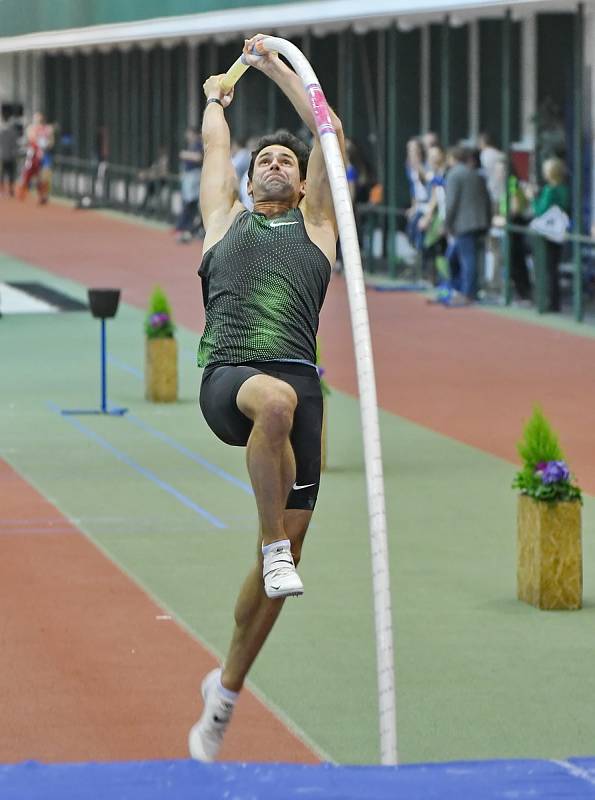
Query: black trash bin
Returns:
{"type": "Point", "coordinates": [104, 302]}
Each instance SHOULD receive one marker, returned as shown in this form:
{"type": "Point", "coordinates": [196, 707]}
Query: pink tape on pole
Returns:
{"type": "Point", "coordinates": [320, 109]}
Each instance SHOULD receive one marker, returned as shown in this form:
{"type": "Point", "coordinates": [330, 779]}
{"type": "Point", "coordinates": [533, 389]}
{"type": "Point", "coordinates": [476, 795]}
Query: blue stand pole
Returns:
{"type": "Point", "coordinates": [117, 412]}
{"type": "Point", "coordinates": [103, 370]}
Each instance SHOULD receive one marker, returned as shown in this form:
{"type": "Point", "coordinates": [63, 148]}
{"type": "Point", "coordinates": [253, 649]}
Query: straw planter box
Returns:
{"type": "Point", "coordinates": [161, 370]}
{"type": "Point", "coordinates": [549, 554]}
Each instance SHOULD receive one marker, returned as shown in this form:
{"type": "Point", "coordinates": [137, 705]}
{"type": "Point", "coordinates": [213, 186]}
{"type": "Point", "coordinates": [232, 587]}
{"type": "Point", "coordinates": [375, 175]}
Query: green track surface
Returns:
{"type": "Point", "coordinates": [479, 674]}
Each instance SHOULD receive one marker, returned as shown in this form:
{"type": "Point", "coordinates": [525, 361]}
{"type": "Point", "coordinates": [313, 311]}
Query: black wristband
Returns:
{"type": "Point", "coordinates": [214, 100]}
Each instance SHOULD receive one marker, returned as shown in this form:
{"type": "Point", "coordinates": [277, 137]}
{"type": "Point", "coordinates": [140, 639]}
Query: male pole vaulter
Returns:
{"type": "Point", "coordinates": [264, 277]}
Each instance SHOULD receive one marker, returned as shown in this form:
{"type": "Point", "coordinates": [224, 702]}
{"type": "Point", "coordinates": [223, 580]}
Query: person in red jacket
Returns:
{"type": "Point", "coordinates": [40, 139]}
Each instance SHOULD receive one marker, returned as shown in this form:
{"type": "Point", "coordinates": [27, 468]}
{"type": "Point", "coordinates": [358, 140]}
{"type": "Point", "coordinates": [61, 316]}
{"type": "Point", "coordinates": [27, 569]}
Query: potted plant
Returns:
{"type": "Point", "coordinates": [161, 352]}
{"type": "Point", "coordinates": [549, 553]}
{"type": "Point", "coordinates": [325, 388]}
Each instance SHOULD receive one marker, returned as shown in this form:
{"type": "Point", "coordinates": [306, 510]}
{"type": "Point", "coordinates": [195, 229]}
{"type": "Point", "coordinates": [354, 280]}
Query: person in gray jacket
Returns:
{"type": "Point", "coordinates": [468, 218]}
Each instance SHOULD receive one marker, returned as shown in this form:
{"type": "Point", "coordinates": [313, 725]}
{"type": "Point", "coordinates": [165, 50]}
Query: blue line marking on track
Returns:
{"type": "Point", "coordinates": [147, 473]}
{"type": "Point", "coordinates": [196, 457]}
{"type": "Point", "coordinates": [125, 367]}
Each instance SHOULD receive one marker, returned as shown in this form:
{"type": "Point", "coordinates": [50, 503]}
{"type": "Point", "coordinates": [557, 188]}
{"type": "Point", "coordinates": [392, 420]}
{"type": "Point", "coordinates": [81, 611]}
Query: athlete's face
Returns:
{"type": "Point", "coordinates": [276, 176]}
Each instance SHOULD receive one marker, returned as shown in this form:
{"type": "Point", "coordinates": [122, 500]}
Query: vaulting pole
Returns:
{"type": "Point", "coordinates": [366, 382]}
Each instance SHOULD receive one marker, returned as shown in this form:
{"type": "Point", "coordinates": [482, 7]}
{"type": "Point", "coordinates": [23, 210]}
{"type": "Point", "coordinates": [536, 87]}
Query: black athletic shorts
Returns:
{"type": "Point", "coordinates": [218, 393]}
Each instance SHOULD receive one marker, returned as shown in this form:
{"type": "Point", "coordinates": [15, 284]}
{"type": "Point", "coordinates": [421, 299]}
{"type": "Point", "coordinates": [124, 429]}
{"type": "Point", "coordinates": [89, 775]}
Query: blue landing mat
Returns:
{"type": "Point", "coordinates": [185, 780]}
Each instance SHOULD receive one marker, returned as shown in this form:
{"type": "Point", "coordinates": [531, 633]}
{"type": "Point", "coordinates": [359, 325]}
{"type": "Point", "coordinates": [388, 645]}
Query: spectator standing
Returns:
{"type": "Point", "coordinates": [555, 192]}
{"type": "Point", "coordinates": [491, 160]}
{"type": "Point", "coordinates": [359, 174]}
{"type": "Point", "coordinates": [468, 217]}
{"type": "Point", "coordinates": [240, 157]}
{"type": "Point", "coordinates": [428, 140]}
{"type": "Point", "coordinates": [47, 162]}
{"type": "Point", "coordinates": [154, 178]}
{"type": "Point", "coordinates": [241, 153]}
{"type": "Point", "coordinates": [433, 221]}
{"type": "Point", "coordinates": [191, 163]}
{"type": "Point", "coordinates": [517, 209]}
{"type": "Point", "coordinates": [40, 140]}
{"type": "Point", "coordinates": [436, 182]}
{"type": "Point", "coordinates": [9, 147]}
{"type": "Point", "coordinates": [492, 163]}
{"type": "Point", "coordinates": [359, 181]}
{"type": "Point", "coordinates": [418, 191]}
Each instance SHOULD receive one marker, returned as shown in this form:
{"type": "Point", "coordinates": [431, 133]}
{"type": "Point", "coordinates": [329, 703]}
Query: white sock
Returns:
{"type": "Point", "coordinates": [227, 694]}
{"type": "Point", "coordinates": [284, 543]}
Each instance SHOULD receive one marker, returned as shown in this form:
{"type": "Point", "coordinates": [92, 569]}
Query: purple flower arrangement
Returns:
{"type": "Point", "coordinates": [552, 472]}
{"type": "Point", "coordinates": [550, 481]}
{"type": "Point", "coordinates": [158, 322]}
{"type": "Point", "coordinates": [544, 475]}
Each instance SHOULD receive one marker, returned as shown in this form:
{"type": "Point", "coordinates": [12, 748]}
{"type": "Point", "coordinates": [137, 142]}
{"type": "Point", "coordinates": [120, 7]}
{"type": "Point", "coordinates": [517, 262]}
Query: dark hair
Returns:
{"type": "Point", "coordinates": [473, 158]}
{"type": "Point", "coordinates": [459, 154]}
{"type": "Point", "coordinates": [285, 139]}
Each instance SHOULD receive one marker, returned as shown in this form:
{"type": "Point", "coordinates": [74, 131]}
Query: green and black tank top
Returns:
{"type": "Point", "coordinates": [263, 286]}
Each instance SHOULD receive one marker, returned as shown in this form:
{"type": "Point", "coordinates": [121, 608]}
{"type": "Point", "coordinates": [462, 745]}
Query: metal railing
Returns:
{"type": "Point", "coordinates": [377, 224]}
{"type": "Point", "coordinates": [125, 189]}
{"type": "Point", "coordinates": [580, 270]}
{"type": "Point", "coordinates": [379, 255]}
{"type": "Point", "coordinates": [115, 186]}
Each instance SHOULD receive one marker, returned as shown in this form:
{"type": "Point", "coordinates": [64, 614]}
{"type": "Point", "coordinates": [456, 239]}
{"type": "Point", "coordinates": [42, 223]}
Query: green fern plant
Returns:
{"type": "Point", "coordinates": [158, 322]}
{"type": "Point", "coordinates": [544, 474]}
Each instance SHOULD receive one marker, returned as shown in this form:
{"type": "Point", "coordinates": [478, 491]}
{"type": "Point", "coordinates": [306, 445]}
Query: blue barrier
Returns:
{"type": "Point", "coordinates": [186, 780]}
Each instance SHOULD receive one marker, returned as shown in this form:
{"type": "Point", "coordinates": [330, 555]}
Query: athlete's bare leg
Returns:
{"type": "Point", "coordinates": [255, 613]}
{"type": "Point", "coordinates": [270, 403]}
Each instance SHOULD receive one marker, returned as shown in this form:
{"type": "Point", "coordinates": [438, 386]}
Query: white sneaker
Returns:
{"type": "Point", "coordinates": [278, 571]}
{"type": "Point", "coordinates": [206, 736]}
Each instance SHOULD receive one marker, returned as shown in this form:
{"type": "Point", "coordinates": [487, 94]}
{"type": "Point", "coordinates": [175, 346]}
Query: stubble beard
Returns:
{"type": "Point", "coordinates": [276, 190]}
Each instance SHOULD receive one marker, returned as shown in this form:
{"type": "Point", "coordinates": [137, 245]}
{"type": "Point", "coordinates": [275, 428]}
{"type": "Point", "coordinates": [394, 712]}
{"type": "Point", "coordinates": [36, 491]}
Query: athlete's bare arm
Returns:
{"type": "Point", "coordinates": [317, 205]}
{"type": "Point", "coordinates": [218, 185]}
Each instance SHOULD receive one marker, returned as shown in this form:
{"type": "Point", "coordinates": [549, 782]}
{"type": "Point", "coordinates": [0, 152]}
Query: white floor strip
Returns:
{"type": "Point", "coordinates": [575, 771]}
{"type": "Point", "coordinates": [14, 301]}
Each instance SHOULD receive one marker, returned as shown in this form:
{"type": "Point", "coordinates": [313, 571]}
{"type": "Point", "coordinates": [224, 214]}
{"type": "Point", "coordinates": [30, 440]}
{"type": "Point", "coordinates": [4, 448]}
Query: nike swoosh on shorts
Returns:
{"type": "Point", "coordinates": [304, 486]}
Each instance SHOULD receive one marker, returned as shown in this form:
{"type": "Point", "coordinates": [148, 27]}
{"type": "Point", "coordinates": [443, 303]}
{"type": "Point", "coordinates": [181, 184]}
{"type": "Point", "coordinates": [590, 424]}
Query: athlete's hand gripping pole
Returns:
{"type": "Point", "coordinates": [366, 381]}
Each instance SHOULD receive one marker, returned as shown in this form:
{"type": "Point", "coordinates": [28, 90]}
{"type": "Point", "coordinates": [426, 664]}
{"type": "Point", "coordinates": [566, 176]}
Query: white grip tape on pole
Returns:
{"type": "Point", "coordinates": [367, 391]}
{"type": "Point", "coordinates": [233, 74]}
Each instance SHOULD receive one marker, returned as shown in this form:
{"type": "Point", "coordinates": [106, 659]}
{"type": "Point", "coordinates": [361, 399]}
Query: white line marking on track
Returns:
{"type": "Point", "coordinates": [576, 772]}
